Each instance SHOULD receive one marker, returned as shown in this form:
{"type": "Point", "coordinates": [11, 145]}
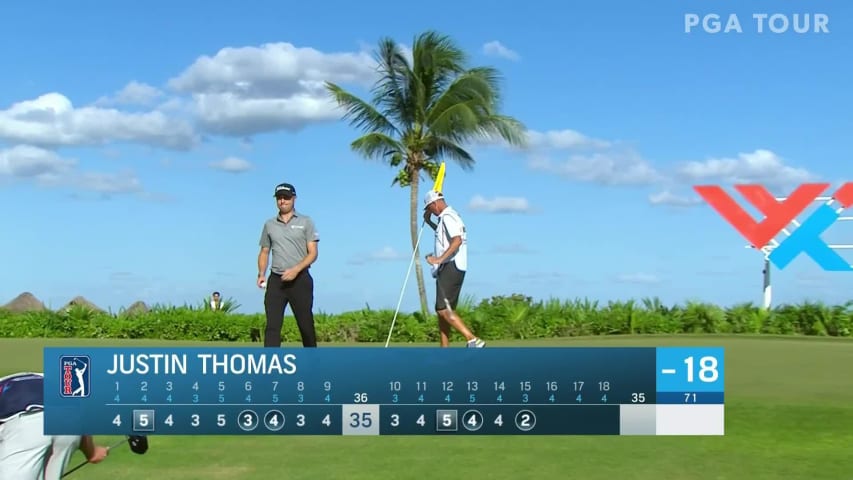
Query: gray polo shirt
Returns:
{"type": "Point", "coordinates": [288, 242]}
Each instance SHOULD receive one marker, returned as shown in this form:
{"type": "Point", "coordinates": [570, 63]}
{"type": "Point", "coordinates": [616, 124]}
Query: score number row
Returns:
{"type": "Point", "coordinates": [272, 393]}
{"type": "Point", "coordinates": [352, 419]}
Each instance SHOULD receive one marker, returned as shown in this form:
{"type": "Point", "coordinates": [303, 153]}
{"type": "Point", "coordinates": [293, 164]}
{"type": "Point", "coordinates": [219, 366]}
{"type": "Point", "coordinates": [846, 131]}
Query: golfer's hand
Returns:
{"type": "Point", "coordinates": [99, 454]}
{"type": "Point", "coordinates": [427, 216]}
{"type": "Point", "coordinates": [432, 260]}
{"type": "Point", "coordinates": [289, 274]}
{"type": "Point", "coordinates": [261, 281]}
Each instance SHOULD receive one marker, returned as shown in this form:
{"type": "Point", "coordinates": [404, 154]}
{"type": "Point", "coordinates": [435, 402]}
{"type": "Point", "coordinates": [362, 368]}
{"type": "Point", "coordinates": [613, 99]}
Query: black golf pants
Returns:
{"type": "Point", "coordinates": [299, 294]}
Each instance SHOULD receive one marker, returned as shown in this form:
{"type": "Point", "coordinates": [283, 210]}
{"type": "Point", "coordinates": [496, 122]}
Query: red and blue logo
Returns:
{"type": "Point", "coordinates": [75, 374]}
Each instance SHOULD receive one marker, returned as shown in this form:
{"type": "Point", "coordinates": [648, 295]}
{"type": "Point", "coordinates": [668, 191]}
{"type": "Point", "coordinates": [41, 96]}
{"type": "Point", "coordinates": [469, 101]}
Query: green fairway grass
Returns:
{"type": "Point", "coordinates": [789, 415]}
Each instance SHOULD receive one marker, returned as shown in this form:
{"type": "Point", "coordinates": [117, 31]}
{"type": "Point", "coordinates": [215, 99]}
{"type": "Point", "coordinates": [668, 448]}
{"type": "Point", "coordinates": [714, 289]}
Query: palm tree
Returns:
{"type": "Point", "coordinates": [423, 113]}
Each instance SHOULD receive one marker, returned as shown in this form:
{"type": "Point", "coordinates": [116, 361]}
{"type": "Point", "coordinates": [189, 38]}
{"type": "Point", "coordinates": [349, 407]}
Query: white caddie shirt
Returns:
{"type": "Point", "coordinates": [450, 225]}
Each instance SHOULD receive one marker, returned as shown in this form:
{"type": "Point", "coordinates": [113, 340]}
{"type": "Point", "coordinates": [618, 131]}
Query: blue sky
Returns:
{"type": "Point", "coordinates": [140, 144]}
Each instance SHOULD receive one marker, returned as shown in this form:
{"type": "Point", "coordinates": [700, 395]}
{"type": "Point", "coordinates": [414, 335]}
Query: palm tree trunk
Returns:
{"type": "Point", "coordinates": [413, 211]}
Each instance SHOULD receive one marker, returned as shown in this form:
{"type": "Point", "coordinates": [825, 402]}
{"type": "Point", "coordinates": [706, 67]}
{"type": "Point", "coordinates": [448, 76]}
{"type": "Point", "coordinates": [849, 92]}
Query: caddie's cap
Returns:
{"type": "Point", "coordinates": [432, 196]}
{"type": "Point", "coordinates": [284, 190]}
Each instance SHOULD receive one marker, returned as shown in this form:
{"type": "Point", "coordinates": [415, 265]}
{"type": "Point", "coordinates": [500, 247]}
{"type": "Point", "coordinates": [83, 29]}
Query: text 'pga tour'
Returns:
{"type": "Point", "coordinates": [777, 23]}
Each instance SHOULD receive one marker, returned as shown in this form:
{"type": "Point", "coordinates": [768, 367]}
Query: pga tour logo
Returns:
{"type": "Point", "coordinates": [75, 374]}
{"type": "Point", "coordinates": [777, 23]}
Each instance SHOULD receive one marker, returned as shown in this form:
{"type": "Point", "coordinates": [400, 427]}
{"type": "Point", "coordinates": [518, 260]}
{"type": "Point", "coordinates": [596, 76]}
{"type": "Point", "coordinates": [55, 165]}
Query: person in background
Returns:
{"type": "Point", "coordinates": [291, 239]}
{"type": "Point", "coordinates": [449, 263]}
{"type": "Point", "coordinates": [26, 453]}
{"type": "Point", "coordinates": [215, 301]}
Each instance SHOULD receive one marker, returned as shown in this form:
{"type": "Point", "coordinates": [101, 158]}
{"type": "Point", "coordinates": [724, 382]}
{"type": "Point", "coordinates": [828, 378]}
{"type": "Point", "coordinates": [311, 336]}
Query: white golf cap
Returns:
{"type": "Point", "coordinates": [432, 196]}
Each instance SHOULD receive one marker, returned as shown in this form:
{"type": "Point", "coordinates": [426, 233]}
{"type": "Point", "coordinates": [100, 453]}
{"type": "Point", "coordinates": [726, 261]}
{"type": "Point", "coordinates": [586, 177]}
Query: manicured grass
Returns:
{"type": "Point", "coordinates": [789, 414]}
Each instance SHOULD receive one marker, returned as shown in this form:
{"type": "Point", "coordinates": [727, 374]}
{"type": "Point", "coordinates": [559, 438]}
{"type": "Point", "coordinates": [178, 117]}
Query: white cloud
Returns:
{"type": "Point", "coordinates": [47, 169]}
{"type": "Point", "coordinates": [102, 182]}
{"type": "Point", "coordinates": [497, 49]}
{"type": "Point", "coordinates": [134, 93]}
{"type": "Point", "coordinates": [176, 106]}
{"type": "Point", "coordinates": [550, 141]}
{"type": "Point", "coordinates": [500, 204]}
{"type": "Point", "coordinates": [235, 91]}
{"type": "Point", "coordinates": [640, 278]}
{"type": "Point", "coordinates": [232, 165]}
{"type": "Point", "coordinates": [51, 120]}
{"type": "Point", "coordinates": [604, 168]}
{"type": "Point", "coordinates": [666, 197]}
{"type": "Point", "coordinates": [759, 166]}
{"type": "Point", "coordinates": [580, 157]}
{"type": "Point", "coordinates": [24, 161]}
{"type": "Point", "coordinates": [563, 140]}
{"type": "Point", "coordinates": [250, 90]}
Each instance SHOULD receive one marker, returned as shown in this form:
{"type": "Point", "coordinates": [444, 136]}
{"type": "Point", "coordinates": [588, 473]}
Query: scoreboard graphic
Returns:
{"type": "Point", "coordinates": [387, 391]}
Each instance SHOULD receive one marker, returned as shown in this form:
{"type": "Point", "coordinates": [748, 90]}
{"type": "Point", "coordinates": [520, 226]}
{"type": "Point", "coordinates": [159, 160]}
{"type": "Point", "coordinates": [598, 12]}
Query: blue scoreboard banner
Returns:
{"type": "Point", "coordinates": [384, 391]}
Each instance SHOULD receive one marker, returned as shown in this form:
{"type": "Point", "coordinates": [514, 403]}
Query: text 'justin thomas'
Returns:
{"type": "Point", "coordinates": [211, 364]}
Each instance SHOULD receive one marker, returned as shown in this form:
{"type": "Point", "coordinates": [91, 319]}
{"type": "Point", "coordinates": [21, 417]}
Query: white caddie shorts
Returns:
{"type": "Point", "coordinates": [26, 453]}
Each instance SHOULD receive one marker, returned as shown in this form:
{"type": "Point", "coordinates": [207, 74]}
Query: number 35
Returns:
{"type": "Point", "coordinates": [360, 420]}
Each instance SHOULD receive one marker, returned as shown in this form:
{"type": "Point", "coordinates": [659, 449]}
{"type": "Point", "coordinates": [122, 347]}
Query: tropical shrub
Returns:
{"type": "Point", "coordinates": [496, 318]}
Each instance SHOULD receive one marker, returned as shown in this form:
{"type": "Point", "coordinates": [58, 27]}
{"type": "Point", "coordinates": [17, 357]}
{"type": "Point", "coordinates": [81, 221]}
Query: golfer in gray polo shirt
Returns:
{"type": "Point", "coordinates": [292, 240]}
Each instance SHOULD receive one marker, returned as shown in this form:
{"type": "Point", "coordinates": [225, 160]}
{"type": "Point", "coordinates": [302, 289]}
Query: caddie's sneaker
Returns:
{"type": "Point", "coordinates": [476, 343]}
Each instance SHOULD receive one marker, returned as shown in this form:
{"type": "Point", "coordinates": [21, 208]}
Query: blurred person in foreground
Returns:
{"type": "Point", "coordinates": [26, 453]}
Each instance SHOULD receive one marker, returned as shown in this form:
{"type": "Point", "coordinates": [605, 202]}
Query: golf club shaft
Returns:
{"type": "Point", "coordinates": [86, 462]}
{"type": "Point", "coordinates": [405, 282]}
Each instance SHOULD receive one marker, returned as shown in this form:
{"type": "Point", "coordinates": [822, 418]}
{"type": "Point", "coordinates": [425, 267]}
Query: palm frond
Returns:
{"type": "Point", "coordinates": [504, 127]}
{"type": "Point", "coordinates": [440, 148]}
{"type": "Point", "coordinates": [391, 92]}
{"type": "Point", "coordinates": [476, 85]}
{"type": "Point", "coordinates": [361, 114]}
{"type": "Point", "coordinates": [436, 61]}
{"type": "Point", "coordinates": [379, 146]}
{"type": "Point", "coordinates": [467, 110]}
{"type": "Point", "coordinates": [459, 121]}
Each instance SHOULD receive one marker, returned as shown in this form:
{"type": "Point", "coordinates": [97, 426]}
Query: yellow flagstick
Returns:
{"type": "Point", "coordinates": [439, 179]}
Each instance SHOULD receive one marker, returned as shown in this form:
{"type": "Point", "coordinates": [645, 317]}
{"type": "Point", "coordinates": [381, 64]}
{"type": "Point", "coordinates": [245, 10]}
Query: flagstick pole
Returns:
{"type": "Point", "coordinates": [437, 186]}
{"type": "Point", "coordinates": [405, 282]}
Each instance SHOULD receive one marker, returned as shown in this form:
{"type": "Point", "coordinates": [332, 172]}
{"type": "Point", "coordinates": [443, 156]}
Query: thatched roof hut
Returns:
{"type": "Point", "coordinates": [82, 302]}
{"type": "Point", "coordinates": [136, 308]}
{"type": "Point", "coordinates": [25, 302]}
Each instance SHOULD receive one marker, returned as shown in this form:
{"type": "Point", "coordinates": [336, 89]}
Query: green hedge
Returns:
{"type": "Point", "coordinates": [497, 318]}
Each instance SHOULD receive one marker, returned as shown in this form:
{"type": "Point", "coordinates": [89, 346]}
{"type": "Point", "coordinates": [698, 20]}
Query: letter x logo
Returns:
{"type": "Point", "coordinates": [777, 215]}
